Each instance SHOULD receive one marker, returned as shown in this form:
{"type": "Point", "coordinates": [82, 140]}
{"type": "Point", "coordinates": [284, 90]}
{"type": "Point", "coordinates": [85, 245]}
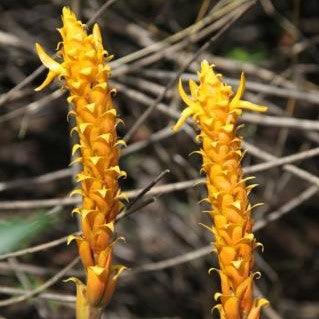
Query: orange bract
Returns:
{"type": "Point", "coordinates": [216, 112]}
{"type": "Point", "coordinates": [86, 74]}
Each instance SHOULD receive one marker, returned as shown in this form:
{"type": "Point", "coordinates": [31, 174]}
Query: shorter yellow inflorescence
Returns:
{"type": "Point", "coordinates": [85, 73]}
{"type": "Point", "coordinates": [216, 111]}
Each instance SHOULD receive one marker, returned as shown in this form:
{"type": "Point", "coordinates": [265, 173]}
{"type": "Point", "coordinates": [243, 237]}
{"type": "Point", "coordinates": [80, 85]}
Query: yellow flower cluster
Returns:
{"type": "Point", "coordinates": [85, 72]}
{"type": "Point", "coordinates": [216, 112]}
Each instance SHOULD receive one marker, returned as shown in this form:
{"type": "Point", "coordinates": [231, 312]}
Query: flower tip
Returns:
{"type": "Point", "coordinates": [175, 128]}
{"type": "Point", "coordinates": [37, 46]}
{"type": "Point", "coordinates": [263, 302]}
{"type": "Point", "coordinates": [66, 11]}
{"type": "Point", "coordinates": [97, 33]}
{"type": "Point", "coordinates": [73, 280]}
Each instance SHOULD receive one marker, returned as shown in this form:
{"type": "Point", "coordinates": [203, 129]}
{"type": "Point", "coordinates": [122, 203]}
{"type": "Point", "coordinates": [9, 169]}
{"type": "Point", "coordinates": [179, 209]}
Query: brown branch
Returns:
{"type": "Point", "coordinates": [288, 92]}
{"type": "Point", "coordinates": [178, 260]}
{"type": "Point", "coordinates": [44, 295]}
{"type": "Point", "coordinates": [38, 290]}
{"type": "Point", "coordinates": [272, 162]}
{"type": "Point", "coordinates": [206, 250]}
{"type": "Point", "coordinates": [161, 96]}
{"type": "Point", "coordinates": [99, 12]}
{"type": "Point", "coordinates": [279, 121]}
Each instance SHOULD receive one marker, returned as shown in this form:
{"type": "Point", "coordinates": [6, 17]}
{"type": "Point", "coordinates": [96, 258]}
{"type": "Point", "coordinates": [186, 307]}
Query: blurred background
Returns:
{"type": "Point", "coordinates": [275, 42]}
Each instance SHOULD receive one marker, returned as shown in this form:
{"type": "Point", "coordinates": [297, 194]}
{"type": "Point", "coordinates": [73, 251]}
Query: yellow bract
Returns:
{"type": "Point", "coordinates": [85, 74]}
{"type": "Point", "coordinates": [215, 110]}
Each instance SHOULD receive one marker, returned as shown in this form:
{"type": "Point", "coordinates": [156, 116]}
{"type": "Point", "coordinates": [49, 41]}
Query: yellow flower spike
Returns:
{"type": "Point", "coordinates": [86, 76]}
{"type": "Point", "coordinates": [215, 110]}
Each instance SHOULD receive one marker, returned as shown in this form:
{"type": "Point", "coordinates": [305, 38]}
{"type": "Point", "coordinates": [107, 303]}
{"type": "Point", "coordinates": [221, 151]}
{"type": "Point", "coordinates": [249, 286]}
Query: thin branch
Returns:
{"type": "Point", "coordinates": [259, 153]}
{"type": "Point", "coordinates": [146, 189]}
{"type": "Point", "coordinates": [36, 248]}
{"type": "Point", "coordinates": [32, 107]}
{"type": "Point", "coordinates": [179, 36]}
{"type": "Point", "coordinates": [206, 250]}
{"type": "Point", "coordinates": [184, 258]}
{"type": "Point", "coordinates": [99, 12]}
{"type": "Point", "coordinates": [279, 121]}
{"type": "Point", "coordinates": [14, 91]}
{"type": "Point", "coordinates": [44, 295]}
{"type": "Point", "coordinates": [135, 208]}
{"type": "Point", "coordinates": [155, 137]}
{"type": "Point", "coordinates": [288, 91]}
{"type": "Point", "coordinates": [37, 180]}
{"type": "Point", "coordinates": [8, 95]}
{"type": "Point", "coordinates": [286, 208]}
{"type": "Point", "coordinates": [67, 172]}
{"type": "Point", "coordinates": [172, 262]}
{"type": "Point", "coordinates": [124, 214]}
{"type": "Point", "coordinates": [272, 162]}
{"type": "Point", "coordinates": [282, 161]}
{"type": "Point", "coordinates": [36, 270]}
{"type": "Point", "coordinates": [38, 290]}
{"type": "Point", "coordinates": [206, 45]}
{"type": "Point", "coordinates": [176, 37]}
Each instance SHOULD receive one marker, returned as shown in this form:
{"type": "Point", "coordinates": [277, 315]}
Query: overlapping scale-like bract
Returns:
{"type": "Point", "coordinates": [85, 73]}
{"type": "Point", "coordinates": [216, 111]}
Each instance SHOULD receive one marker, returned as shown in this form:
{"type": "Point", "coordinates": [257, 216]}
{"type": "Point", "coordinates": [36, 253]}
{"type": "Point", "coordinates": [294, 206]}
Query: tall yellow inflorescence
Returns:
{"type": "Point", "coordinates": [216, 111]}
{"type": "Point", "coordinates": [85, 72]}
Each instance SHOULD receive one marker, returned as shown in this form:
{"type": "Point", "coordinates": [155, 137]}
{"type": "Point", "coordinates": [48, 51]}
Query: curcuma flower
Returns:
{"type": "Point", "coordinates": [216, 111]}
{"type": "Point", "coordinates": [85, 72]}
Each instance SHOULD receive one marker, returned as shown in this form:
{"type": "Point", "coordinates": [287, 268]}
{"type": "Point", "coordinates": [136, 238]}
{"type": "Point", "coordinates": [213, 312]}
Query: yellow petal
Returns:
{"type": "Point", "coordinates": [237, 204]}
{"type": "Point", "coordinates": [239, 93]}
{"type": "Point", "coordinates": [188, 100]}
{"type": "Point", "coordinates": [121, 142]}
{"type": "Point", "coordinates": [106, 137]}
{"type": "Point", "coordinates": [82, 177]}
{"type": "Point", "coordinates": [255, 311]}
{"type": "Point", "coordinates": [118, 269]}
{"type": "Point", "coordinates": [48, 61]}
{"type": "Point", "coordinates": [91, 107]}
{"type": "Point", "coordinates": [82, 306]}
{"type": "Point", "coordinates": [75, 148]}
{"type": "Point", "coordinates": [95, 159]}
{"type": "Point", "coordinates": [84, 126]}
{"type": "Point", "coordinates": [97, 270]}
{"type": "Point", "coordinates": [71, 238]}
{"type": "Point", "coordinates": [251, 106]}
{"type": "Point", "coordinates": [103, 191]}
{"type": "Point", "coordinates": [86, 71]}
{"type": "Point", "coordinates": [75, 161]}
{"type": "Point", "coordinates": [49, 78]}
{"type": "Point", "coordinates": [184, 116]}
{"type": "Point", "coordinates": [228, 127]}
{"type": "Point", "coordinates": [97, 33]}
{"type": "Point", "coordinates": [237, 263]}
{"type": "Point", "coordinates": [193, 87]}
{"type": "Point", "coordinates": [95, 285]}
{"type": "Point", "coordinates": [77, 191]}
